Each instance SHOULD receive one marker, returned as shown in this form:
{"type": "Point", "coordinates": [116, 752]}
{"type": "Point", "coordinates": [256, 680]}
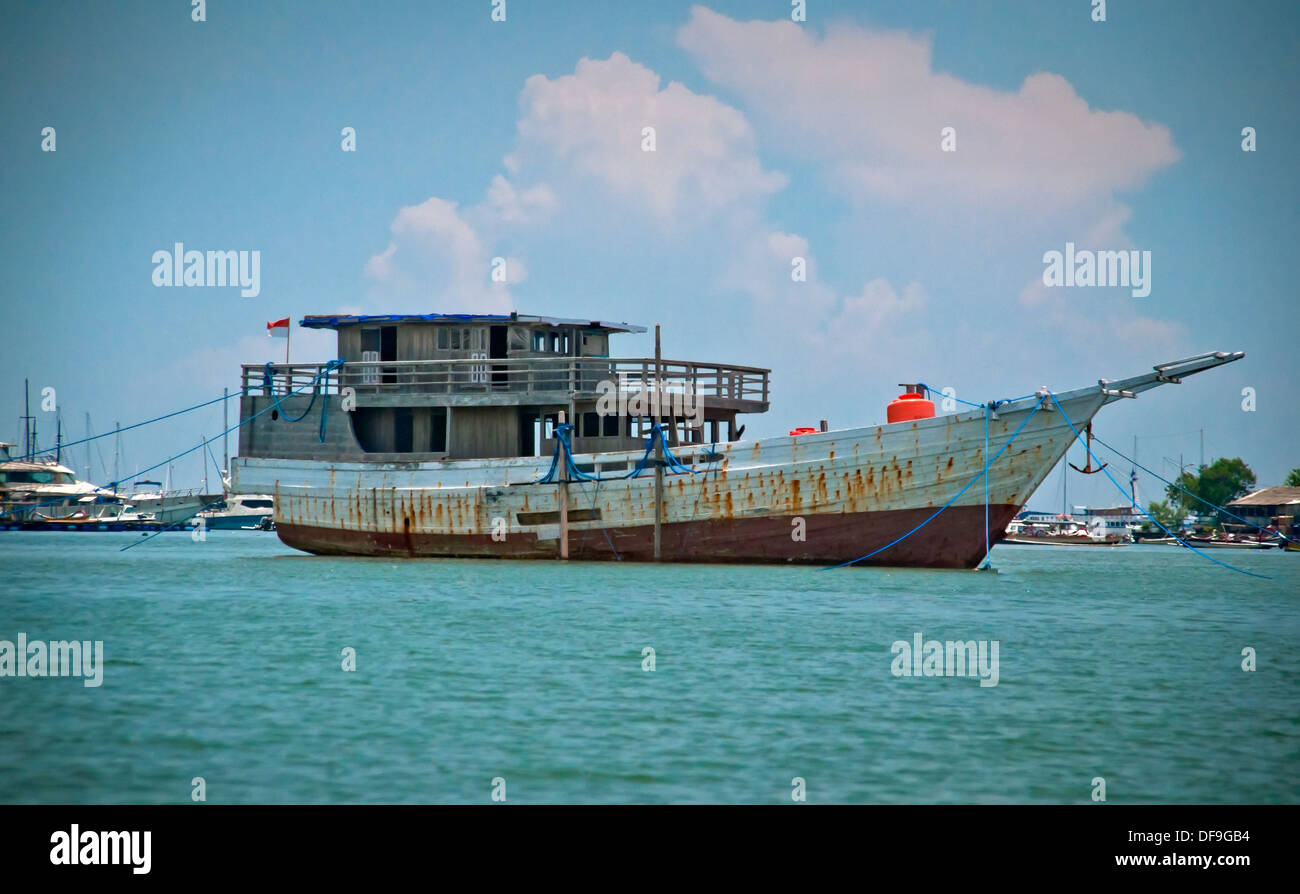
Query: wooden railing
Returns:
{"type": "Point", "coordinates": [581, 376]}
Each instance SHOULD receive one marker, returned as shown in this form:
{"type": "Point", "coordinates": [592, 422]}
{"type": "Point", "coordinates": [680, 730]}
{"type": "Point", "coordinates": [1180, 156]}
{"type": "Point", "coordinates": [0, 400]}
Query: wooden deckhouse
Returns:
{"type": "Point", "coordinates": [464, 386]}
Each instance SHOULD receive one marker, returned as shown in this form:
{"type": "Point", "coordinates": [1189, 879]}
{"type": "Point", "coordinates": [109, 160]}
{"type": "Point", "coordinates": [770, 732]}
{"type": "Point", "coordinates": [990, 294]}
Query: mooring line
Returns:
{"type": "Point", "coordinates": [981, 474]}
{"type": "Point", "coordinates": [1143, 511]}
{"type": "Point", "coordinates": [1097, 440]}
{"type": "Point", "coordinates": [118, 431]}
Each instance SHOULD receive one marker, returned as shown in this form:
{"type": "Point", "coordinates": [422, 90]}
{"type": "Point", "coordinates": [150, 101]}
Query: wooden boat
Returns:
{"type": "Point", "coordinates": [440, 436]}
{"type": "Point", "coordinates": [1058, 532]}
{"type": "Point", "coordinates": [1231, 542]}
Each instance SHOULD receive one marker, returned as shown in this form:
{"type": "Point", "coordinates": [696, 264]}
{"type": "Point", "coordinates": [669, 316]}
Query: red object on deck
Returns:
{"type": "Point", "coordinates": [808, 431]}
{"type": "Point", "coordinates": [909, 407]}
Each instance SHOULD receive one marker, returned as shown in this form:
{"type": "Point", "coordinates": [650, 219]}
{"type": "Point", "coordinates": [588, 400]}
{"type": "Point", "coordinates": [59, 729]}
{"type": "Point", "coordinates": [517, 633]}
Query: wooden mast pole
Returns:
{"type": "Point", "coordinates": [564, 495]}
{"type": "Point", "coordinates": [659, 445]}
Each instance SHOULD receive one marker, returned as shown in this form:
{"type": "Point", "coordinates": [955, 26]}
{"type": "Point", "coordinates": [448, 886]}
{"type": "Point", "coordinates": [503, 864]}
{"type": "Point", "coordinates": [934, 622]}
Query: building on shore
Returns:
{"type": "Point", "coordinates": [1264, 507]}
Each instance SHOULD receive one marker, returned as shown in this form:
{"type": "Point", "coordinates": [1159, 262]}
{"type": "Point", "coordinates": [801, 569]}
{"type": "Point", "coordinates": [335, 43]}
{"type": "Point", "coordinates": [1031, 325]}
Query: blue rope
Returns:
{"type": "Point", "coordinates": [996, 403]}
{"type": "Point", "coordinates": [170, 527]}
{"type": "Point", "coordinates": [1143, 511]}
{"type": "Point", "coordinates": [323, 373]}
{"type": "Point", "coordinates": [329, 367]}
{"type": "Point", "coordinates": [565, 447]}
{"type": "Point", "coordinates": [1097, 440]}
{"type": "Point", "coordinates": [988, 411]}
{"type": "Point", "coordinates": [332, 365]}
{"type": "Point", "coordinates": [989, 463]}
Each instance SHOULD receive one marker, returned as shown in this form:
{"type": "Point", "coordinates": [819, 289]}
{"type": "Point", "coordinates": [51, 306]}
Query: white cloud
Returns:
{"type": "Point", "coordinates": [871, 105]}
{"type": "Point", "coordinates": [436, 262]}
{"type": "Point", "coordinates": [1105, 233]}
{"type": "Point", "coordinates": [510, 205]}
{"type": "Point", "coordinates": [591, 122]}
{"type": "Point", "coordinates": [867, 108]}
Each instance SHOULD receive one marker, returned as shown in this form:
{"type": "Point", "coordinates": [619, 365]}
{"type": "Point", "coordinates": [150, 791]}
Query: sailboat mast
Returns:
{"type": "Point", "coordinates": [117, 453]}
{"type": "Point", "coordinates": [27, 420]}
{"type": "Point", "coordinates": [1133, 474]}
{"type": "Point", "coordinates": [1065, 481]}
{"type": "Point", "coordinates": [225, 437]}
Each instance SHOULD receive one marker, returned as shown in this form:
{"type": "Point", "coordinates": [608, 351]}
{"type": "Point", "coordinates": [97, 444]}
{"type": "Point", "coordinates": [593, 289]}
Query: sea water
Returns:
{"type": "Point", "coordinates": [538, 682]}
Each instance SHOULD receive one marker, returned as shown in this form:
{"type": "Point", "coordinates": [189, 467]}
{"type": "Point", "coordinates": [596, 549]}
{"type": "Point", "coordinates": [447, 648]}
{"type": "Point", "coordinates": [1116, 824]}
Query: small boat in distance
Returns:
{"type": "Point", "coordinates": [1233, 541]}
{"type": "Point", "coordinates": [1060, 531]}
{"type": "Point", "coordinates": [239, 512]}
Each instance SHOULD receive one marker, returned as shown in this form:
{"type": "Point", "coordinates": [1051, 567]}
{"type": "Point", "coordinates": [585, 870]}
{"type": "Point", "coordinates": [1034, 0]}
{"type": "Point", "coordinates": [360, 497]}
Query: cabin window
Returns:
{"type": "Point", "coordinates": [370, 341]}
{"type": "Point", "coordinates": [590, 425]}
{"type": "Point", "coordinates": [609, 426]}
{"type": "Point", "coordinates": [444, 337]}
{"type": "Point", "coordinates": [518, 339]}
{"type": "Point", "coordinates": [32, 477]}
{"type": "Point", "coordinates": [259, 504]}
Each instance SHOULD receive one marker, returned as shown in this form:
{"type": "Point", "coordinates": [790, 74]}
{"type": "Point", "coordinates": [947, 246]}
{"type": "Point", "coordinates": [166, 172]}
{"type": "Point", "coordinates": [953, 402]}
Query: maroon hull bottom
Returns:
{"type": "Point", "coordinates": [955, 539]}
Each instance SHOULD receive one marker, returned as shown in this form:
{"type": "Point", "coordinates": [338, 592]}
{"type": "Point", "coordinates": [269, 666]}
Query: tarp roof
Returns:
{"type": "Point", "coordinates": [334, 321]}
{"type": "Point", "coordinates": [1269, 496]}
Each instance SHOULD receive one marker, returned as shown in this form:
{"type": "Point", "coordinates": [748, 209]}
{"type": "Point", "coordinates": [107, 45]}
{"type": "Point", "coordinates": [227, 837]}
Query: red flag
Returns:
{"type": "Point", "coordinates": [278, 329]}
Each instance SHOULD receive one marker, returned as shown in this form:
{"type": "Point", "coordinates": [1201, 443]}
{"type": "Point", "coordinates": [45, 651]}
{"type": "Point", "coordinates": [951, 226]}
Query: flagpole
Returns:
{"type": "Point", "coordinates": [286, 345]}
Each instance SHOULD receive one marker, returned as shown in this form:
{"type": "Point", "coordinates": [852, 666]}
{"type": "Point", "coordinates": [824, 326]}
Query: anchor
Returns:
{"type": "Point", "coordinates": [1087, 467]}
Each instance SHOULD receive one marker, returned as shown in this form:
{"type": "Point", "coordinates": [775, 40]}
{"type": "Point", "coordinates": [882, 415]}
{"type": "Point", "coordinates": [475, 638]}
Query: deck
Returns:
{"type": "Point", "coordinates": [516, 381]}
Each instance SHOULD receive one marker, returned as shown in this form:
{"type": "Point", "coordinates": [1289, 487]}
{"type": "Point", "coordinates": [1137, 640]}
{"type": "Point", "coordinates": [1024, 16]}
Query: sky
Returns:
{"type": "Point", "coordinates": [524, 139]}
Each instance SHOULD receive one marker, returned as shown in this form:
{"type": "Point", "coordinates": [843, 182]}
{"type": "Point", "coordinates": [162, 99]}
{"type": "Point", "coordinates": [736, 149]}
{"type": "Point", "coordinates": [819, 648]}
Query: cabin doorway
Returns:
{"type": "Point", "coordinates": [403, 430]}
{"type": "Point", "coordinates": [497, 351]}
{"type": "Point", "coordinates": [528, 433]}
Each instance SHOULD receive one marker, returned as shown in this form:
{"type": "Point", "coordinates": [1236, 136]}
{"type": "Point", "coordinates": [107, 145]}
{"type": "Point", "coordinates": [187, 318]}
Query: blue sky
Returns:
{"type": "Point", "coordinates": [478, 139]}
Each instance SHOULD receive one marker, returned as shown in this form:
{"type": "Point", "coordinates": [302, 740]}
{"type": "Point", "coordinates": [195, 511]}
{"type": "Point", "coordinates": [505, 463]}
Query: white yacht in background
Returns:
{"type": "Point", "coordinates": [41, 489]}
{"type": "Point", "coordinates": [167, 507]}
{"type": "Point", "coordinates": [240, 512]}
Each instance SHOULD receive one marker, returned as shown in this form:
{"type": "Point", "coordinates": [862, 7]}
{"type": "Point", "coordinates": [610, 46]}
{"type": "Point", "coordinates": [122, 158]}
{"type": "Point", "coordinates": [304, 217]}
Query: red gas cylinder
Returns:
{"type": "Point", "coordinates": [803, 430]}
{"type": "Point", "coordinates": [910, 406]}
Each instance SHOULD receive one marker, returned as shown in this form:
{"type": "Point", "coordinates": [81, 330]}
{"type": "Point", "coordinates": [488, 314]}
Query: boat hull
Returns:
{"type": "Point", "coordinates": [1060, 541]}
{"type": "Point", "coordinates": [955, 539]}
{"type": "Point", "coordinates": [234, 522]}
{"type": "Point", "coordinates": [822, 498]}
